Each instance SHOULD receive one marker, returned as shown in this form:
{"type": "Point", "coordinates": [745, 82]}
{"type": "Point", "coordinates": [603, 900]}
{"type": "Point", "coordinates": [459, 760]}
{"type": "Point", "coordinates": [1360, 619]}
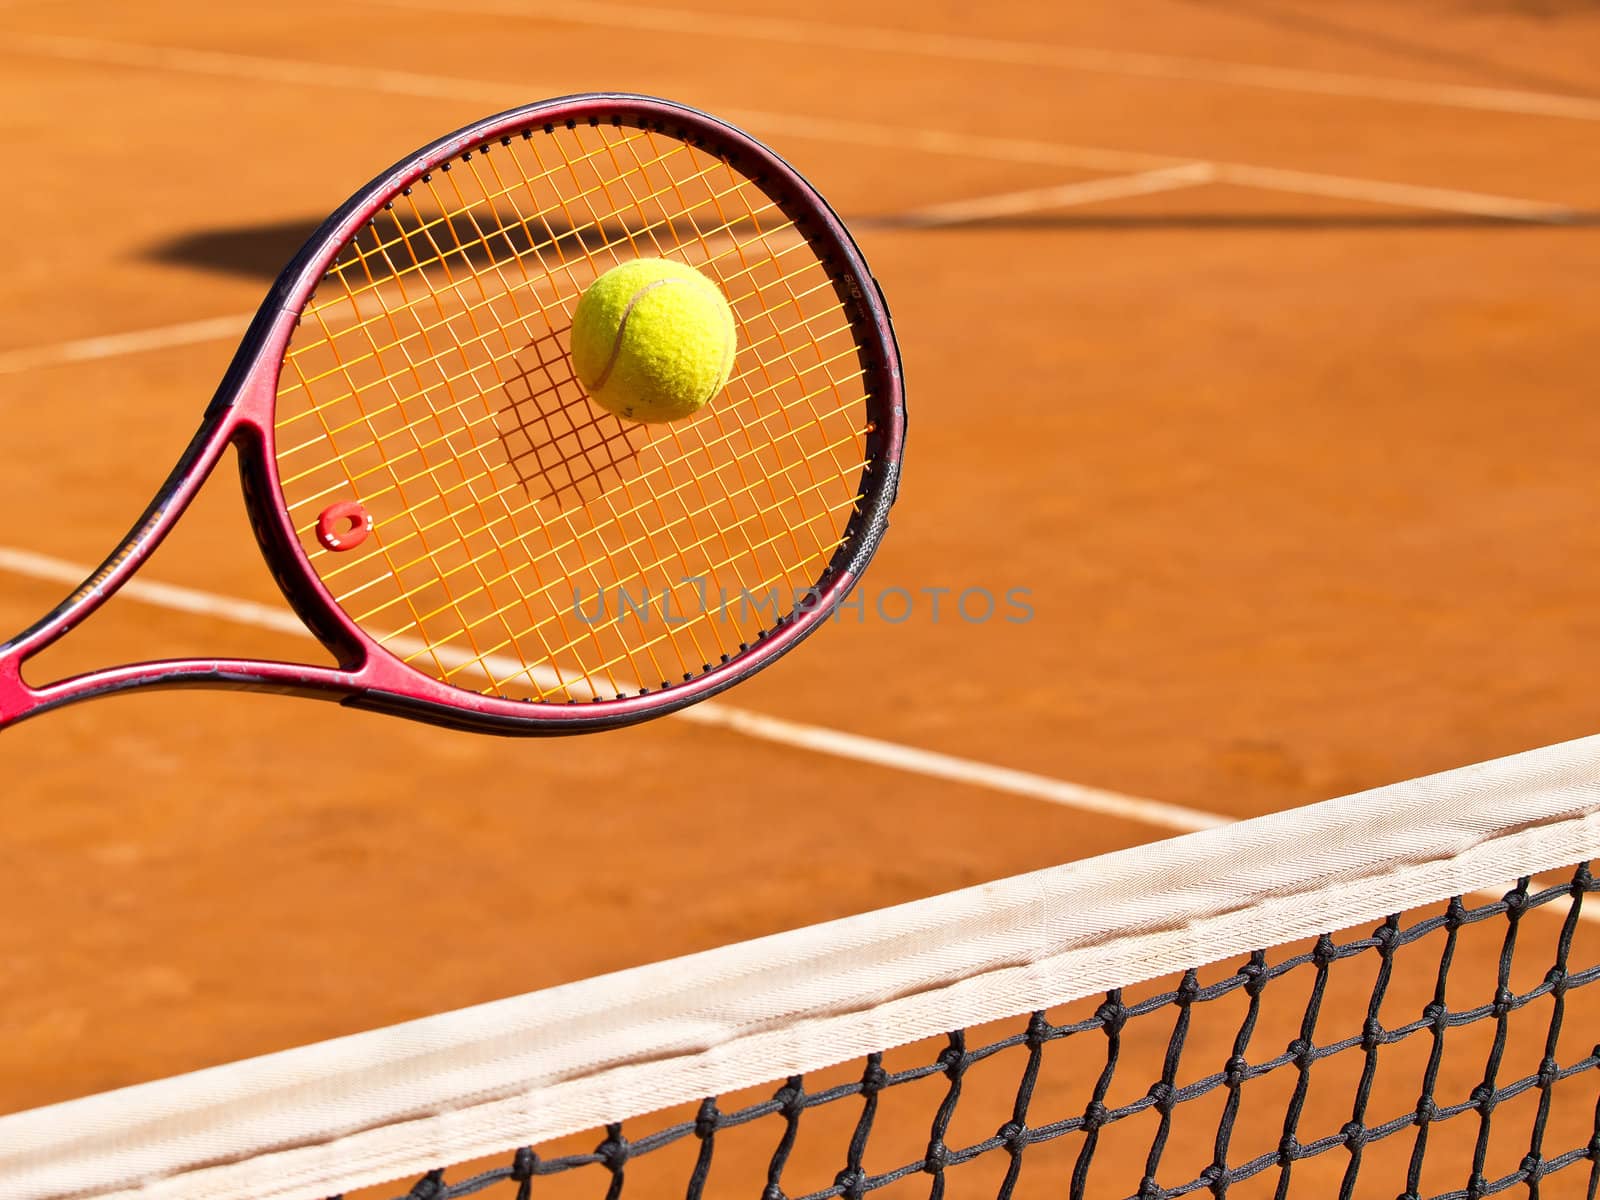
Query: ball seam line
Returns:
{"type": "Point", "coordinates": [622, 328]}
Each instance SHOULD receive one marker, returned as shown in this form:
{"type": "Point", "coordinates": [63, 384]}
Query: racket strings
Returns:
{"type": "Point", "coordinates": [389, 274]}
{"type": "Point", "coordinates": [748, 489]}
{"type": "Point", "coordinates": [429, 382]}
{"type": "Point", "coordinates": [625, 580]}
{"type": "Point", "coordinates": [524, 187]}
{"type": "Point", "coordinates": [287, 453]}
{"type": "Point", "coordinates": [484, 663]}
{"type": "Point", "coordinates": [311, 444]}
{"type": "Point", "coordinates": [458, 288]}
{"type": "Point", "coordinates": [452, 379]}
{"type": "Point", "coordinates": [386, 464]}
{"type": "Point", "coordinates": [832, 449]}
{"type": "Point", "coordinates": [439, 666]}
{"type": "Point", "coordinates": [452, 515]}
{"type": "Point", "coordinates": [455, 286]}
{"type": "Point", "coordinates": [817, 557]}
{"type": "Point", "coordinates": [752, 594]}
{"type": "Point", "coordinates": [467, 345]}
{"type": "Point", "coordinates": [659, 475]}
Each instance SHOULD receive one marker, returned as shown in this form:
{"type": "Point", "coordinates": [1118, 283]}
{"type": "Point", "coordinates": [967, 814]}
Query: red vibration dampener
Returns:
{"type": "Point", "coordinates": [344, 526]}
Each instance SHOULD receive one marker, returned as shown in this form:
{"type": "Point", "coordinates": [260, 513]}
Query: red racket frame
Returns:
{"type": "Point", "coordinates": [368, 676]}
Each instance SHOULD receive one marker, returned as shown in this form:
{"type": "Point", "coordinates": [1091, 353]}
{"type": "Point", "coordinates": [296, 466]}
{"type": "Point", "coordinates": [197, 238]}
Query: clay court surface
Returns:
{"type": "Point", "coordinates": [1285, 415]}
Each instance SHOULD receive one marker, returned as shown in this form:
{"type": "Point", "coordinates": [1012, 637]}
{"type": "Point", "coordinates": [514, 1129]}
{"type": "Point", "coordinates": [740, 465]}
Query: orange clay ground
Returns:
{"type": "Point", "coordinates": [1301, 476]}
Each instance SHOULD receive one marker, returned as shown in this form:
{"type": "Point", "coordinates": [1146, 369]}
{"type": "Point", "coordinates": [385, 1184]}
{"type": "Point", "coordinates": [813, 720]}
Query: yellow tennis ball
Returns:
{"type": "Point", "coordinates": [653, 340]}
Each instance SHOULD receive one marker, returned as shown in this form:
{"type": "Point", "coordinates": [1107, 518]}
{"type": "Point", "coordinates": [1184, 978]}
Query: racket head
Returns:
{"type": "Point", "coordinates": [449, 513]}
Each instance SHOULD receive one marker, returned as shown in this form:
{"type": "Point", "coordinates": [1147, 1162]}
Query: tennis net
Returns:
{"type": "Point", "coordinates": [1388, 995]}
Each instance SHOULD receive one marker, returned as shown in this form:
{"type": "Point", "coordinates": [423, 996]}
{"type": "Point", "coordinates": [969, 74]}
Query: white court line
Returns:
{"type": "Point", "coordinates": [1403, 195]}
{"type": "Point", "coordinates": [715, 714]}
{"type": "Point", "coordinates": [956, 212]}
{"type": "Point", "coordinates": [188, 333]}
{"type": "Point", "coordinates": [1166, 179]}
{"type": "Point", "coordinates": [797, 735]}
{"type": "Point", "coordinates": [1010, 204]}
{"type": "Point", "coordinates": [860, 133]}
{"type": "Point", "coordinates": [951, 769]}
{"type": "Point", "coordinates": [232, 65]}
{"type": "Point", "coordinates": [977, 48]}
{"type": "Point", "coordinates": [405, 83]}
{"type": "Point", "coordinates": [817, 739]}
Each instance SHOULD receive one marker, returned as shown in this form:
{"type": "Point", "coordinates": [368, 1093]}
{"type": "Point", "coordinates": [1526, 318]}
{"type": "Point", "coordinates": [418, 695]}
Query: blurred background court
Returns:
{"type": "Point", "coordinates": [1255, 338]}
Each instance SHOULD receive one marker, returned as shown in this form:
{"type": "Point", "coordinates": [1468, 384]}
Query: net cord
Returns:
{"type": "Point", "coordinates": [396, 1102]}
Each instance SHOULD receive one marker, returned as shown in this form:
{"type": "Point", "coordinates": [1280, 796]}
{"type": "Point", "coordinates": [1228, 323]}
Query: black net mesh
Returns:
{"type": "Point", "coordinates": [1447, 1053]}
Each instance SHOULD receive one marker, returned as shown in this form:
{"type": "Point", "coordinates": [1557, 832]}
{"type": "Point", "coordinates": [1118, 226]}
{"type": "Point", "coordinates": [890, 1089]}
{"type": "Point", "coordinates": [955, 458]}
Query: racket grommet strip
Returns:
{"type": "Point", "coordinates": [344, 525]}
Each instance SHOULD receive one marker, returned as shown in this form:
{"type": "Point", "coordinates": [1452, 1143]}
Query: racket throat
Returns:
{"type": "Point", "coordinates": [17, 699]}
{"type": "Point", "coordinates": [20, 699]}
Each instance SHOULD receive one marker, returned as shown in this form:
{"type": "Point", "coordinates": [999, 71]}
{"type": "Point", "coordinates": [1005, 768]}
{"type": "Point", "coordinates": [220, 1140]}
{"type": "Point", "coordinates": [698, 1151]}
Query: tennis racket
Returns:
{"type": "Point", "coordinates": [475, 542]}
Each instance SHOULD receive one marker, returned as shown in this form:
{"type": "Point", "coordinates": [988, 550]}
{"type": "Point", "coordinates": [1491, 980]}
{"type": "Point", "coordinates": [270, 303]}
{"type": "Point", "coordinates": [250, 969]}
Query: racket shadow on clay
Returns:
{"type": "Point", "coordinates": [565, 449]}
{"type": "Point", "coordinates": [446, 512]}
